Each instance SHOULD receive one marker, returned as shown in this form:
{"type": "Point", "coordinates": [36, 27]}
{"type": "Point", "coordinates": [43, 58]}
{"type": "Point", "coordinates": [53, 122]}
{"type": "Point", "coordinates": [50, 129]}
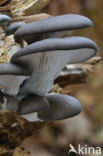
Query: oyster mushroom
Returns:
{"type": "Point", "coordinates": [51, 27]}
{"type": "Point", "coordinates": [40, 63]}
{"type": "Point", "coordinates": [4, 20]}
{"type": "Point", "coordinates": [46, 58]}
{"type": "Point", "coordinates": [13, 27]}
{"type": "Point", "coordinates": [61, 107]}
{"type": "Point", "coordinates": [11, 30]}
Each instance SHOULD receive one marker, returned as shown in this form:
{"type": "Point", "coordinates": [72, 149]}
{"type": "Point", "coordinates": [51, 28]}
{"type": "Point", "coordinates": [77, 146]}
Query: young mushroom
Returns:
{"type": "Point", "coordinates": [11, 29]}
{"type": "Point", "coordinates": [4, 20]}
{"type": "Point", "coordinates": [40, 62]}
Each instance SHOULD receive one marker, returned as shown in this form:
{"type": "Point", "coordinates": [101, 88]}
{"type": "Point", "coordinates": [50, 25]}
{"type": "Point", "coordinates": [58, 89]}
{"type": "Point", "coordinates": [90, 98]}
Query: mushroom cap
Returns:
{"type": "Point", "coordinates": [56, 44]}
{"type": "Point", "coordinates": [4, 18]}
{"type": "Point", "coordinates": [13, 27]}
{"type": "Point", "coordinates": [12, 75]}
{"type": "Point", "coordinates": [13, 69]}
{"type": "Point", "coordinates": [51, 27]}
{"type": "Point", "coordinates": [32, 103]}
{"type": "Point", "coordinates": [53, 24]}
{"type": "Point", "coordinates": [39, 64]}
{"type": "Point", "coordinates": [42, 57]}
{"type": "Point", "coordinates": [61, 107]}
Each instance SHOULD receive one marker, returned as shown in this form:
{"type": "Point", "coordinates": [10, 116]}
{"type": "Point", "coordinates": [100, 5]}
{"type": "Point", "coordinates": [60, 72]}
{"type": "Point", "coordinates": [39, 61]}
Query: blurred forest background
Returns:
{"type": "Point", "coordinates": [87, 128]}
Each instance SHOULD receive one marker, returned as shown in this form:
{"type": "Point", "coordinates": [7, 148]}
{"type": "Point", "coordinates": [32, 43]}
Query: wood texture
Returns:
{"type": "Point", "coordinates": [18, 8]}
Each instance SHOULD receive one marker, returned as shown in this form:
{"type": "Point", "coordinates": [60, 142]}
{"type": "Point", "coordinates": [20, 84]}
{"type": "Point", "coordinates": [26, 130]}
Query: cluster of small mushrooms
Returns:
{"type": "Point", "coordinates": [28, 78]}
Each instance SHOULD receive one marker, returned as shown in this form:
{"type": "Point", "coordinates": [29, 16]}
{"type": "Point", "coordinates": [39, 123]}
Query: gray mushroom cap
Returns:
{"type": "Point", "coordinates": [32, 103]}
{"type": "Point", "coordinates": [13, 27]}
{"type": "Point", "coordinates": [4, 18]}
{"type": "Point", "coordinates": [60, 44]}
{"type": "Point", "coordinates": [61, 107]}
{"type": "Point", "coordinates": [13, 69]}
{"type": "Point", "coordinates": [53, 24]}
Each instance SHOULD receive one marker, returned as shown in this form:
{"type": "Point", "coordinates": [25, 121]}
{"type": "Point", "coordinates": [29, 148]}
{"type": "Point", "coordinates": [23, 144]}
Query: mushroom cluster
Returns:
{"type": "Point", "coordinates": [29, 76]}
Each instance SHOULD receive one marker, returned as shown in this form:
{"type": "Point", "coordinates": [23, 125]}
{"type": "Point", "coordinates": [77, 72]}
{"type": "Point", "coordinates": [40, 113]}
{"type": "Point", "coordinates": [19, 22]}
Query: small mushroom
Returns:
{"type": "Point", "coordinates": [4, 20]}
{"type": "Point", "coordinates": [12, 69]}
{"type": "Point", "coordinates": [13, 27]}
{"type": "Point", "coordinates": [51, 27]}
{"type": "Point", "coordinates": [46, 58]}
{"type": "Point", "coordinates": [61, 107]}
{"type": "Point", "coordinates": [11, 77]}
{"type": "Point", "coordinates": [32, 103]}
